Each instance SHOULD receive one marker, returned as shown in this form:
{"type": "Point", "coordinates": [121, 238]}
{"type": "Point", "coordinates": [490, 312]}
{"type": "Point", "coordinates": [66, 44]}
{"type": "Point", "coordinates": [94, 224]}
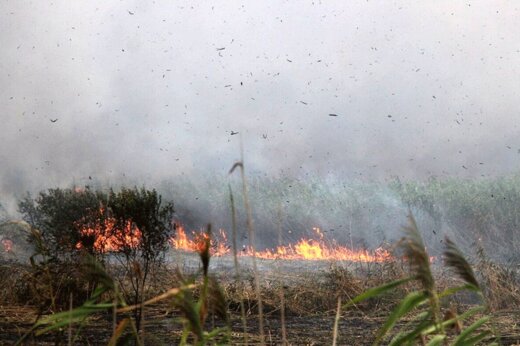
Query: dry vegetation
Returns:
{"type": "Point", "coordinates": [310, 303]}
{"type": "Point", "coordinates": [89, 297]}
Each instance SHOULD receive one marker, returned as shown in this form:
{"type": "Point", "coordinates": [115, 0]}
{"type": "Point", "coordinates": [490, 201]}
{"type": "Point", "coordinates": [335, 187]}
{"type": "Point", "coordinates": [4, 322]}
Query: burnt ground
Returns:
{"type": "Point", "coordinates": [163, 328]}
{"type": "Point", "coordinates": [310, 326]}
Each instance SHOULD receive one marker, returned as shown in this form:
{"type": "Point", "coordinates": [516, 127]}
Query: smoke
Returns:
{"type": "Point", "coordinates": [140, 92]}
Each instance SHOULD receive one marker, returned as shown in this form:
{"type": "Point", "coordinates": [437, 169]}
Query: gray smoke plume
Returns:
{"type": "Point", "coordinates": [132, 91]}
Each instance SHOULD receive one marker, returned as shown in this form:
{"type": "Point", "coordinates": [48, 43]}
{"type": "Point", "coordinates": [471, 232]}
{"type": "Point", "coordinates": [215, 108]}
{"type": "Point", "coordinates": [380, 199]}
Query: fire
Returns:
{"type": "Point", "coordinates": [107, 238]}
{"type": "Point", "coordinates": [311, 249]}
{"type": "Point", "coordinates": [304, 249]}
{"type": "Point", "coordinates": [182, 242]}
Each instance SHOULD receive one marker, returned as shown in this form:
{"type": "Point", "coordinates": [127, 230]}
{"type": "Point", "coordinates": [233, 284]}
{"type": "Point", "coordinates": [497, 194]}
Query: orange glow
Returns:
{"type": "Point", "coordinates": [304, 249]}
{"type": "Point", "coordinates": [181, 241]}
{"type": "Point", "coordinates": [106, 238]}
{"type": "Point", "coordinates": [8, 245]}
{"type": "Point", "coordinates": [109, 239]}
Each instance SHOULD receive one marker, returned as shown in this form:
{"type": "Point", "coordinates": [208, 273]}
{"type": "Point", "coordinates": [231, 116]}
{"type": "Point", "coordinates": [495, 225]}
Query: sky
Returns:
{"type": "Point", "coordinates": [156, 89]}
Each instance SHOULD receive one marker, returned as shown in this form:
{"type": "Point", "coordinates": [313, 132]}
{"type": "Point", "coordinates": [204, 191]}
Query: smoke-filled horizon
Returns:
{"type": "Point", "coordinates": [145, 91]}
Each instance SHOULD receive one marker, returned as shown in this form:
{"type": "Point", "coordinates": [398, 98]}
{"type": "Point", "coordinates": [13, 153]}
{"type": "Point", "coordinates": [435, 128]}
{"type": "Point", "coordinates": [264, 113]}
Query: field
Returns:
{"type": "Point", "coordinates": [189, 289]}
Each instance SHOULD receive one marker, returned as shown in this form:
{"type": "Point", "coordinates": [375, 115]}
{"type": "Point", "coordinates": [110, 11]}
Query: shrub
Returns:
{"type": "Point", "coordinates": [132, 225]}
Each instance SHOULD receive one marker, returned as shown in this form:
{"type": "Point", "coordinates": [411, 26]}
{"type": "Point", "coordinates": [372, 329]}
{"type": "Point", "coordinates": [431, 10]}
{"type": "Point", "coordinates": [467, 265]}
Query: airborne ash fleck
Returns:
{"type": "Point", "coordinates": [108, 71]}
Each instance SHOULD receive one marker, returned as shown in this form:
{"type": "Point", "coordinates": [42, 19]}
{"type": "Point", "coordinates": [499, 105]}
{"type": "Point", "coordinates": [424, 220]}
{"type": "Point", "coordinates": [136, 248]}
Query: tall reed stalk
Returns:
{"type": "Point", "coordinates": [251, 235]}
{"type": "Point", "coordinates": [235, 261]}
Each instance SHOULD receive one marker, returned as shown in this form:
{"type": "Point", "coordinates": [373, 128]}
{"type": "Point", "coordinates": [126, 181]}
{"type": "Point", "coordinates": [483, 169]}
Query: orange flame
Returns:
{"type": "Point", "coordinates": [107, 238]}
{"type": "Point", "coordinates": [218, 245]}
{"type": "Point", "coordinates": [304, 249]}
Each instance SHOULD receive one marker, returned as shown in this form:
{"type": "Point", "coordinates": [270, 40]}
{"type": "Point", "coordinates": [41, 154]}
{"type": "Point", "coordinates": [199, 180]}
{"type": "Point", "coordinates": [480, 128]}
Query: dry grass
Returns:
{"type": "Point", "coordinates": [500, 283]}
{"type": "Point", "coordinates": [311, 300]}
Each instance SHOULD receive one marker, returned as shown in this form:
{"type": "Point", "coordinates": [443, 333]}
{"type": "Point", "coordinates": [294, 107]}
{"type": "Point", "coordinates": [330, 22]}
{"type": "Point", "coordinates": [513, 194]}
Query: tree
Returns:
{"type": "Point", "coordinates": [62, 216]}
{"type": "Point", "coordinates": [133, 225]}
{"type": "Point", "coordinates": [142, 215]}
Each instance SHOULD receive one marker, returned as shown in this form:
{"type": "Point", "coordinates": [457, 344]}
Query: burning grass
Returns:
{"type": "Point", "coordinates": [311, 277]}
{"type": "Point", "coordinates": [304, 249]}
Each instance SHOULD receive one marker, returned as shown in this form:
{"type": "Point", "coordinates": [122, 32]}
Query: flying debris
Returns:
{"type": "Point", "coordinates": [332, 115]}
{"type": "Point", "coordinates": [233, 133]}
{"type": "Point", "coordinates": [235, 165]}
{"type": "Point", "coordinates": [53, 120]}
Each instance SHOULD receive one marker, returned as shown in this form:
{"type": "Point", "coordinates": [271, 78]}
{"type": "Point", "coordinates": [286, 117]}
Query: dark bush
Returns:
{"type": "Point", "coordinates": [132, 225]}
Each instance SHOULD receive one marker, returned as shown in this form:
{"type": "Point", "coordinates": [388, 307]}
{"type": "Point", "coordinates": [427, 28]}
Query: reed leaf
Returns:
{"type": "Point", "coordinates": [377, 291]}
{"type": "Point", "coordinates": [415, 252]}
{"type": "Point", "coordinates": [404, 338]}
{"type": "Point", "coordinates": [410, 302]}
{"type": "Point", "coordinates": [462, 339]}
{"type": "Point", "coordinates": [454, 259]}
{"type": "Point", "coordinates": [478, 338]}
{"type": "Point", "coordinates": [437, 340]}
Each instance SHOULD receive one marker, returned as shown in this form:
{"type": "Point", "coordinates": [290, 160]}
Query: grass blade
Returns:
{"type": "Point", "coordinates": [437, 340]}
{"type": "Point", "coordinates": [462, 338]}
{"type": "Point", "coordinates": [478, 338]}
{"type": "Point", "coordinates": [411, 301]}
{"type": "Point", "coordinates": [376, 291]}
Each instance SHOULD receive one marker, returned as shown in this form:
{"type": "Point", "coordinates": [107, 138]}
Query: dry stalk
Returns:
{"type": "Point", "coordinates": [282, 291]}
{"type": "Point", "coordinates": [70, 322]}
{"type": "Point", "coordinates": [235, 261]}
{"type": "Point", "coordinates": [251, 234]}
{"type": "Point", "coordinates": [336, 323]}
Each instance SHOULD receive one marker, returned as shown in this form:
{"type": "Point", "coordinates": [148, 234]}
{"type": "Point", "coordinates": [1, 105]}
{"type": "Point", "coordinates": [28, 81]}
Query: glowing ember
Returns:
{"type": "Point", "coordinates": [107, 238]}
{"type": "Point", "coordinates": [304, 249]}
{"type": "Point", "coordinates": [7, 244]}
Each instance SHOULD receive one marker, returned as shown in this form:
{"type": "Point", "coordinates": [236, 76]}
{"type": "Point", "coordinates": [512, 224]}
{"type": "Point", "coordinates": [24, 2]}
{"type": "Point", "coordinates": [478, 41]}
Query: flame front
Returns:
{"type": "Point", "coordinates": [304, 249]}
{"type": "Point", "coordinates": [107, 238]}
{"type": "Point", "coordinates": [182, 242]}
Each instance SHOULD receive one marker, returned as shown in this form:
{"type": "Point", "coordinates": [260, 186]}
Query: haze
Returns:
{"type": "Point", "coordinates": [152, 90]}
